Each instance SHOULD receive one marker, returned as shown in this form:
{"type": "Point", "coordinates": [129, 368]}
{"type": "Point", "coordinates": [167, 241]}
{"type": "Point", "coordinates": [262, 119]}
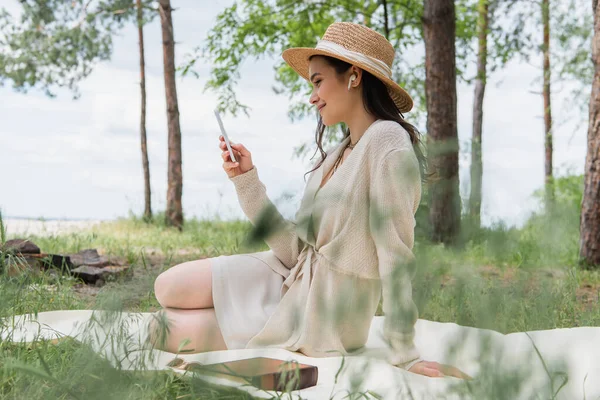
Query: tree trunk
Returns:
{"type": "Point", "coordinates": [386, 26]}
{"type": "Point", "coordinates": [145, 162]}
{"type": "Point", "coordinates": [589, 252]}
{"type": "Point", "coordinates": [442, 133]}
{"type": "Point", "coordinates": [174, 212]}
{"type": "Point", "coordinates": [476, 141]}
{"type": "Point", "coordinates": [547, 109]}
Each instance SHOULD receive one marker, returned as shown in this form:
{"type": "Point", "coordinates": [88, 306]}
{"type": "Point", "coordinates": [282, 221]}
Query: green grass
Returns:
{"type": "Point", "coordinates": [498, 278]}
{"type": "Point", "coordinates": [70, 370]}
{"type": "Point", "coordinates": [129, 237]}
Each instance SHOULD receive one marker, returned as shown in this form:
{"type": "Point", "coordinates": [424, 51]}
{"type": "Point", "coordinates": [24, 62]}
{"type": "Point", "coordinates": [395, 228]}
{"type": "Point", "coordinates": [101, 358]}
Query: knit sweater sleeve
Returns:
{"type": "Point", "coordinates": [395, 194]}
{"type": "Point", "coordinates": [281, 234]}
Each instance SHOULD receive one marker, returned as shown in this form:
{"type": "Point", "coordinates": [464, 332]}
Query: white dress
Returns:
{"type": "Point", "coordinates": [246, 292]}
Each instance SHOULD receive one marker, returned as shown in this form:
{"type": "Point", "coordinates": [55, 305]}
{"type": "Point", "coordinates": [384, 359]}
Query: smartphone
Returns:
{"type": "Point", "coordinates": [225, 136]}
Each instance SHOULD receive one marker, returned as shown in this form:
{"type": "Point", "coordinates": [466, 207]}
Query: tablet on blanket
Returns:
{"type": "Point", "coordinates": [262, 372]}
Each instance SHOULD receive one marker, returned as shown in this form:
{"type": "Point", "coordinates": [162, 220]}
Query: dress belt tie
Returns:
{"type": "Point", "coordinates": [303, 269]}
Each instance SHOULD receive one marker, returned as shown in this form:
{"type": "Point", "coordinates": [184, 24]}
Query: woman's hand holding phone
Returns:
{"type": "Point", "coordinates": [241, 154]}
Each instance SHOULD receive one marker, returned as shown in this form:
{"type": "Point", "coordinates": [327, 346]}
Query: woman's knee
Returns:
{"type": "Point", "coordinates": [162, 286]}
{"type": "Point", "coordinates": [185, 285]}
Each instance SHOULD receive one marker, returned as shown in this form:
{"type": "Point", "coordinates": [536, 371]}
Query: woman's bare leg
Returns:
{"type": "Point", "coordinates": [171, 328]}
{"type": "Point", "coordinates": [187, 285]}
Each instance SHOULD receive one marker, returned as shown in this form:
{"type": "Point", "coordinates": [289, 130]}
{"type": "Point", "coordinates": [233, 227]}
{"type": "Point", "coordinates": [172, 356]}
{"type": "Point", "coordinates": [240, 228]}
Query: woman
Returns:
{"type": "Point", "coordinates": [318, 287]}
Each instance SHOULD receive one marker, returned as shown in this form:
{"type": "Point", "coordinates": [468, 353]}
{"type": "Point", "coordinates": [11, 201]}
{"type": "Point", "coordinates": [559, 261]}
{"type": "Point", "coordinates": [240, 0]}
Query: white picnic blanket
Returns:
{"type": "Point", "coordinates": [567, 365]}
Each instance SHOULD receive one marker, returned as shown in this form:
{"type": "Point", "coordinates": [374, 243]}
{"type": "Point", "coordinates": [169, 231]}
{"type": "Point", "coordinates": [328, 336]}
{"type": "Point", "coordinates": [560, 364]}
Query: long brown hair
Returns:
{"type": "Point", "coordinates": [377, 102]}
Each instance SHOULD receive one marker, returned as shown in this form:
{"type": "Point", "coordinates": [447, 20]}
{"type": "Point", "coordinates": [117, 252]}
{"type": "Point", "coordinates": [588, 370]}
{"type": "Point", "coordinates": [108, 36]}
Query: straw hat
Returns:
{"type": "Point", "coordinates": [359, 46]}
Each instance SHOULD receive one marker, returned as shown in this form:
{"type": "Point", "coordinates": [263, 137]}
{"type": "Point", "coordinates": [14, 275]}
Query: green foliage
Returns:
{"type": "Point", "coordinates": [131, 237]}
{"type": "Point", "coordinates": [568, 192]}
{"type": "Point", "coordinates": [571, 30]}
{"type": "Point", "coordinates": [554, 233]}
{"type": "Point", "coordinates": [253, 29]}
{"type": "Point", "coordinates": [56, 43]}
{"type": "Point", "coordinates": [549, 238]}
{"type": "Point", "coordinates": [72, 370]}
{"type": "Point", "coordinates": [256, 28]}
{"type": "Point", "coordinates": [572, 34]}
{"type": "Point", "coordinates": [506, 38]}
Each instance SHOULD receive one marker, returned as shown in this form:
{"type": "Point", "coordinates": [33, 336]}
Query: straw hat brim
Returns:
{"type": "Point", "coordinates": [297, 59]}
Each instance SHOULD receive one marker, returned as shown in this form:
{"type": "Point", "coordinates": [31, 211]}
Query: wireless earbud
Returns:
{"type": "Point", "coordinates": [352, 78]}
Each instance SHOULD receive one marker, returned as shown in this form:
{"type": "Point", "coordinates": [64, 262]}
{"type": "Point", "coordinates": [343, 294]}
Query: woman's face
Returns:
{"type": "Point", "coordinates": [330, 94]}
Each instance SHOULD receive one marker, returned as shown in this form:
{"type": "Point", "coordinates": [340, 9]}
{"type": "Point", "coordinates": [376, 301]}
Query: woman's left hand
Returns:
{"type": "Point", "coordinates": [434, 369]}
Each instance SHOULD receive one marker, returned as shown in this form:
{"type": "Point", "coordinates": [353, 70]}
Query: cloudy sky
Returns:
{"type": "Point", "coordinates": [80, 159]}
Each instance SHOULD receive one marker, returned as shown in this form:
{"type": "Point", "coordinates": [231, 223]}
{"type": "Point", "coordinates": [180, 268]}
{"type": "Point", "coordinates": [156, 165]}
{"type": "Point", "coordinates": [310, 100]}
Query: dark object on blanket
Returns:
{"type": "Point", "coordinates": [46, 261]}
{"type": "Point", "coordinates": [92, 275]}
{"type": "Point", "coordinates": [89, 257]}
{"type": "Point", "coordinates": [262, 372]}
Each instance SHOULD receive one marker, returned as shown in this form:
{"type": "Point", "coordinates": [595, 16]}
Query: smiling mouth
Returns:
{"type": "Point", "coordinates": [321, 108]}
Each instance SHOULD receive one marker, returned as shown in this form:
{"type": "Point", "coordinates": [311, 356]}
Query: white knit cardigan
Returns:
{"type": "Point", "coordinates": [351, 242]}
